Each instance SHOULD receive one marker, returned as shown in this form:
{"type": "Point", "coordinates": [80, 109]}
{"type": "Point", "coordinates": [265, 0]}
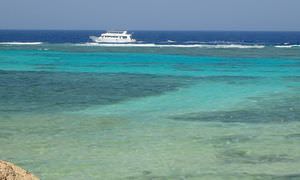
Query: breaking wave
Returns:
{"type": "Point", "coordinates": [217, 46]}
{"type": "Point", "coordinates": [20, 43]}
{"type": "Point", "coordinates": [287, 46]}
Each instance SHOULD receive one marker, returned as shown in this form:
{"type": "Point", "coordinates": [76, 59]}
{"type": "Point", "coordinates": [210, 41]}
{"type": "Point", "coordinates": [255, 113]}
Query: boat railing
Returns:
{"type": "Point", "coordinates": [117, 32]}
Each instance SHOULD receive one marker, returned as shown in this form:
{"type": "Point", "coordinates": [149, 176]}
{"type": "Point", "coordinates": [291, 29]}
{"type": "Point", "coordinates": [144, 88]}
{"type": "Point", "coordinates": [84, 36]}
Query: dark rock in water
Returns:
{"type": "Point", "coordinates": [146, 172]}
{"type": "Point", "coordinates": [22, 91]}
{"type": "Point", "coordinates": [241, 116]}
{"type": "Point", "coordinates": [281, 109]}
{"type": "Point", "coordinates": [237, 80]}
{"type": "Point", "coordinates": [293, 136]}
{"type": "Point", "coordinates": [273, 177]}
{"type": "Point", "coordinates": [240, 156]}
{"type": "Point", "coordinates": [292, 78]}
{"type": "Point", "coordinates": [9, 171]}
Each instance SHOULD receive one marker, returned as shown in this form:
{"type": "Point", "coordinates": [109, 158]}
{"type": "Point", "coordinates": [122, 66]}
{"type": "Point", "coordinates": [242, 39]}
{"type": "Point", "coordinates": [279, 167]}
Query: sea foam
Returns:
{"type": "Point", "coordinates": [217, 46]}
{"type": "Point", "coordinates": [287, 46]}
{"type": "Point", "coordinates": [20, 43]}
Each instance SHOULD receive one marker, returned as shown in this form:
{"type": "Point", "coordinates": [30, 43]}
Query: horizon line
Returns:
{"type": "Point", "coordinates": [154, 30]}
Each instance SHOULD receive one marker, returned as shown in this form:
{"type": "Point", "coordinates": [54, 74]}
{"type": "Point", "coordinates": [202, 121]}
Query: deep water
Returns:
{"type": "Point", "coordinates": [158, 37]}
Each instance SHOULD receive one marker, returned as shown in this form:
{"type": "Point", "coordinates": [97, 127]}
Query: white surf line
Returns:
{"type": "Point", "coordinates": [20, 43]}
{"type": "Point", "coordinates": [218, 46]}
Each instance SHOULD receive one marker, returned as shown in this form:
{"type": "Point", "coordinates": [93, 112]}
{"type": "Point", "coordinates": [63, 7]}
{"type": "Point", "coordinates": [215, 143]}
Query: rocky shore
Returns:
{"type": "Point", "coordinates": [9, 171]}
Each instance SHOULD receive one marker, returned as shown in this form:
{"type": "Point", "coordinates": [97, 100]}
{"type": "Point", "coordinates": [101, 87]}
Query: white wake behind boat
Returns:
{"type": "Point", "coordinates": [114, 37]}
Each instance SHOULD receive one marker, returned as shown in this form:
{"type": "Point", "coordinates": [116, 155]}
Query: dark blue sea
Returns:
{"type": "Point", "coordinates": [158, 37]}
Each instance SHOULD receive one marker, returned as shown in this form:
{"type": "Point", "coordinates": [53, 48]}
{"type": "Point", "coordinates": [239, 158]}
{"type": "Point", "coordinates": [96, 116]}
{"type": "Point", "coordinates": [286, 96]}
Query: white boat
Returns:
{"type": "Point", "coordinates": [114, 37]}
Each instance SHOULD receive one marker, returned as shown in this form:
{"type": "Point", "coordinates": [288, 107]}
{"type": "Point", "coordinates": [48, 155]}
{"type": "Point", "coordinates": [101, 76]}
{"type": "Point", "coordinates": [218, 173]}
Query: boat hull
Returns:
{"type": "Point", "coordinates": [118, 41]}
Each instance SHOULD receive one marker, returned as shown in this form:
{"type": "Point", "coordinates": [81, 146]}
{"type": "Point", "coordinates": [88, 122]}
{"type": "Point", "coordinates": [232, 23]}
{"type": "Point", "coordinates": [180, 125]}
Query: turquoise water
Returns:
{"type": "Point", "coordinates": [77, 112]}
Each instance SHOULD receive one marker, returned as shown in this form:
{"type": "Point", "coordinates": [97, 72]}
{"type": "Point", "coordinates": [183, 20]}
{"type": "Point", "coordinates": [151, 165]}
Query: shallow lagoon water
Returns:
{"type": "Point", "coordinates": [155, 113]}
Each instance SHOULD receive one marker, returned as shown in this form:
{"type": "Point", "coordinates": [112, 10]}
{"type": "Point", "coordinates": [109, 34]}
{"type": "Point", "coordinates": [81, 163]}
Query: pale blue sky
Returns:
{"type": "Point", "coordinates": [151, 14]}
